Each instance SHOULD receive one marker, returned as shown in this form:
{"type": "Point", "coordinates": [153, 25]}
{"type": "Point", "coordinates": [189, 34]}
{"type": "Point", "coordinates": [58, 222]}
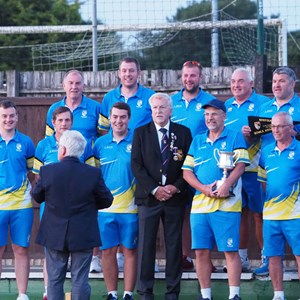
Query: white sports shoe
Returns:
{"type": "Point", "coordinates": [278, 298]}
{"type": "Point", "coordinates": [22, 297]}
{"type": "Point", "coordinates": [95, 266]}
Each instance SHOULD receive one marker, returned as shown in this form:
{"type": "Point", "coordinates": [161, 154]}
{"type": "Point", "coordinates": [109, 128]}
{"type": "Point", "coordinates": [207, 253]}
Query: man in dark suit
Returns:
{"type": "Point", "coordinates": [73, 193]}
{"type": "Point", "coordinates": [158, 151]}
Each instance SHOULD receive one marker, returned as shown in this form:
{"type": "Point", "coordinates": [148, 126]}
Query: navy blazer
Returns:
{"type": "Point", "coordinates": [146, 163]}
{"type": "Point", "coordinates": [73, 192]}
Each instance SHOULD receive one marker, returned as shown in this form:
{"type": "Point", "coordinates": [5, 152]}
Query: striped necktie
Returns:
{"type": "Point", "coordinates": [164, 148]}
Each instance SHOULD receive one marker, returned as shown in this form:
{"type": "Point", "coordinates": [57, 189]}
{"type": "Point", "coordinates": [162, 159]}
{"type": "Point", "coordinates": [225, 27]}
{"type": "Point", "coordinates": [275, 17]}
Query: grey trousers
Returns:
{"type": "Point", "coordinates": [57, 262]}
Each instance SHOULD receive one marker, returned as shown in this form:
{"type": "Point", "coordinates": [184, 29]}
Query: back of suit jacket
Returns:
{"type": "Point", "coordinates": [73, 192]}
{"type": "Point", "coordinates": [146, 163]}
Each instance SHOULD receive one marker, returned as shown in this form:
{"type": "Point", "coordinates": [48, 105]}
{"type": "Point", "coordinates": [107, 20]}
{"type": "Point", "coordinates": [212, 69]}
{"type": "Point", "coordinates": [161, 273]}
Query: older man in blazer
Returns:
{"type": "Point", "coordinates": [73, 192]}
{"type": "Point", "coordinates": [158, 151]}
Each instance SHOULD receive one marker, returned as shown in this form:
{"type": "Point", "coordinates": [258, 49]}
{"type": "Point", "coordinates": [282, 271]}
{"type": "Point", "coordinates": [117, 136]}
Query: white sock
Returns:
{"type": "Point", "coordinates": [234, 290]}
{"type": "Point", "coordinates": [206, 293]}
{"type": "Point", "coordinates": [279, 294]}
{"type": "Point", "coordinates": [114, 293]}
{"type": "Point", "coordinates": [127, 292]}
{"type": "Point", "coordinates": [243, 253]}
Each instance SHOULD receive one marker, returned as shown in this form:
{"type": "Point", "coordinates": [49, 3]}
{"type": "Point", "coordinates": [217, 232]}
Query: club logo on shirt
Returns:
{"type": "Point", "coordinates": [128, 148]}
{"type": "Point", "coordinates": [291, 110]}
{"type": "Point", "coordinates": [223, 146]}
{"type": "Point", "coordinates": [18, 147]}
{"type": "Point", "coordinates": [198, 107]}
{"type": "Point", "coordinates": [229, 109]}
{"type": "Point", "coordinates": [230, 242]}
{"type": "Point", "coordinates": [84, 114]}
{"type": "Point", "coordinates": [251, 107]}
{"type": "Point", "coordinates": [291, 155]}
{"type": "Point", "coordinates": [139, 103]}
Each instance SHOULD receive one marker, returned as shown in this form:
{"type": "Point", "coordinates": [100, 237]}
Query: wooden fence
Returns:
{"type": "Point", "coordinates": [48, 84]}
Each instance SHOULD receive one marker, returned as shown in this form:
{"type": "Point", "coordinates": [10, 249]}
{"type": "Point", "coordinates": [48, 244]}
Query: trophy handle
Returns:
{"type": "Point", "coordinates": [215, 154]}
{"type": "Point", "coordinates": [236, 156]}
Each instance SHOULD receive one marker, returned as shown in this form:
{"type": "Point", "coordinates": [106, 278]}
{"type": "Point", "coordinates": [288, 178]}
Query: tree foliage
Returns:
{"type": "Point", "coordinates": [33, 13]}
{"type": "Point", "coordinates": [195, 44]}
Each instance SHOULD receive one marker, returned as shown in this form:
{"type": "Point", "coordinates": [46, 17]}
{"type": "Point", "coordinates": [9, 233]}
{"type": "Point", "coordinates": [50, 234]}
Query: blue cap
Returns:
{"type": "Point", "coordinates": [216, 103]}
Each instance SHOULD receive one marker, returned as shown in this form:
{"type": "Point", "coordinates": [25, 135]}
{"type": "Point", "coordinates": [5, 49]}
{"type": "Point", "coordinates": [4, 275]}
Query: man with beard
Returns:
{"type": "Point", "coordinates": [188, 102]}
{"type": "Point", "coordinates": [216, 213]}
{"type": "Point", "coordinates": [187, 111]}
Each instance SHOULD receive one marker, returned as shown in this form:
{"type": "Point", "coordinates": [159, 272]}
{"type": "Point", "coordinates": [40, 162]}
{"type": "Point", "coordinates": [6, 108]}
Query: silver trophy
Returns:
{"type": "Point", "coordinates": [225, 160]}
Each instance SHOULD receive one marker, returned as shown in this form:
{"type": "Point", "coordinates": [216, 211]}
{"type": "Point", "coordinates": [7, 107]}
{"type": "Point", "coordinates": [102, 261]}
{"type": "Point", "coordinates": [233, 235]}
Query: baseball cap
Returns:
{"type": "Point", "coordinates": [216, 103]}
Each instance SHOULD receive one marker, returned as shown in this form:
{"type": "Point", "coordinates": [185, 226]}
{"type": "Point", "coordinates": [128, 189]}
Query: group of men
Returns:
{"type": "Point", "coordinates": [159, 158]}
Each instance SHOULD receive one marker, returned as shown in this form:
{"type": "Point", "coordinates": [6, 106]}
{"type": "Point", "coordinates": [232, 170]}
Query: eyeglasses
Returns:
{"type": "Point", "coordinates": [192, 63]}
{"type": "Point", "coordinates": [273, 127]}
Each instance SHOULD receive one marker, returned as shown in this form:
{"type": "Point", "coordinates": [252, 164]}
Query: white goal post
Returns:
{"type": "Point", "coordinates": [136, 27]}
{"type": "Point", "coordinates": [234, 38]}
{"type": "Point", "coordinates": [282, 39]}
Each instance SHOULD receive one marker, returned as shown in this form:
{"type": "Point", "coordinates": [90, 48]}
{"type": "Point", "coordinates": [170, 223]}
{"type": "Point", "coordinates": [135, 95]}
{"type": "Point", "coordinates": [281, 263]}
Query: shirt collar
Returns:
{"type": "Point", "coordinates": [127, 138]}
{"type": "Point", "coordinates": [197, 98]}
{"type": "Point", "coordinates": [16, 137]}
{"type": "Point", "coordinates": [290, 102]}
{"type": "Point", "coordinates": [291, 146]}
{"type": "Point", "coordinates": [249, 99]}
{"type": "Point", "coordinates": [167, 126]}
{"type": "Point", "coordinates": [223, 134]}
{"type": "Point", "coordinates": [53, 142]}
{"type": "Point", "coordinates": [82, 104]}
{"type": "Point", "coordinates": [138, 93]}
